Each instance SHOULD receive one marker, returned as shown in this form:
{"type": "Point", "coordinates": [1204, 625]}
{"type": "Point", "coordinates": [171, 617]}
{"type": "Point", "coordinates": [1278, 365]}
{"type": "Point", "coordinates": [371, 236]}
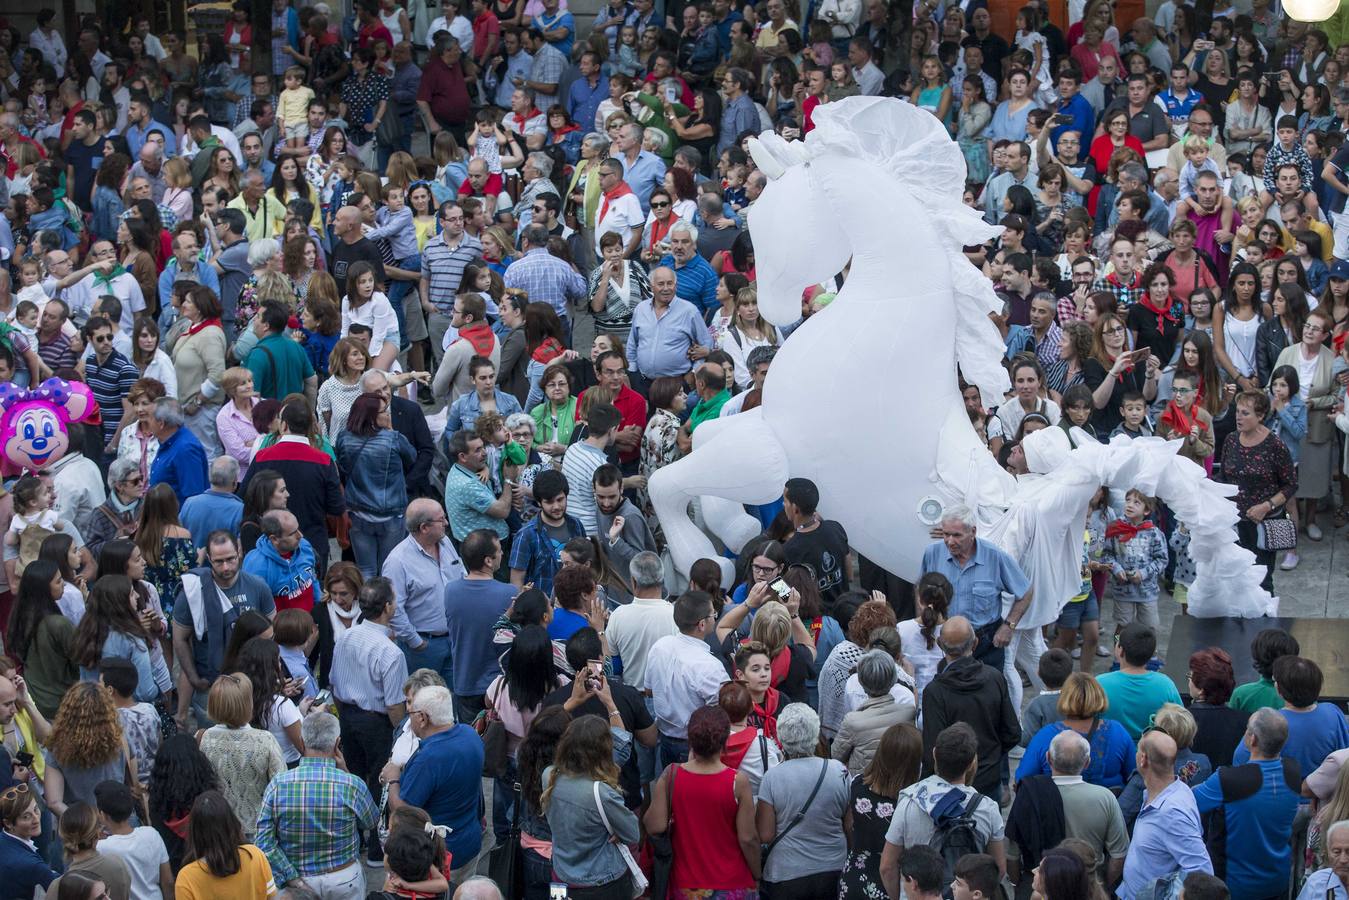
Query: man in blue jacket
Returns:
{"type": "Point", "coordinates": [181, 462]}
{"type": "Point", "coordinates": [285, 561]}
{"type": "Point", "coordinates": [1248, 843]}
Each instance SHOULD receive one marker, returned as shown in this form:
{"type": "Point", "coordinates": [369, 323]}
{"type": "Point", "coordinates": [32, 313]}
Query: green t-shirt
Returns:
{"type": "Point", "coordinates": [279, 367]}
{"type": "Point", "coordinates": [1256, 695]}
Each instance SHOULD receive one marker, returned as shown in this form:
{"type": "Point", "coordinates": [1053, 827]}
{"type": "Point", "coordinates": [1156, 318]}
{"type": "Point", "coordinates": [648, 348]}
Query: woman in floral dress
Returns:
{"type": "Point", "coordinates": [871, 805]}
{"type": "Point", "coordinates": [165, 543]}
{"type": "Point", "coordinates": [660, 446]}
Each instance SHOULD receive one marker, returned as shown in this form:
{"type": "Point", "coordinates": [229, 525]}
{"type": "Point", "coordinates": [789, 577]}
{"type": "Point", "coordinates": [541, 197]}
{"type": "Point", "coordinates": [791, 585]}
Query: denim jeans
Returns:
{"type": "Point", "coordinates": [503, 802]}
{"type": "Point", "coordinates": [434, 656]}
{"type": "Point", "coordinates": [646, 756]}
{"type": "Point", "coordinates": [672, 750]}
{"type": "Point", "coordinates": [372, 542]}
{"type": "Point", "coordinates": [400, 289]}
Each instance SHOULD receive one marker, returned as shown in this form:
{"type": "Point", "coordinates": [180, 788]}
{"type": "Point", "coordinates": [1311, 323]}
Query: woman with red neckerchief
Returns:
{"type": "Point", "coordinates": [1157, 319]}
{"type": "Point", "coordinates": [1113, 371]}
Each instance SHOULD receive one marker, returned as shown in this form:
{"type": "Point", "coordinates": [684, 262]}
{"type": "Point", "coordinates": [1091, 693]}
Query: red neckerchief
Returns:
{"type": "Point", "coordinates": [764, 716]}
{"type": "Point", "coordinates": [1338, 341]}
{"type": "Point", "coordinates": [1133, 284]}
{"type": "Point", "coordinates": [1120, 376]}
{"type": "Point", "coordinates": [658, 232]}
{"type": "Point", "coordinates": [548, 351]}
{"type": "Point", "coordinates": [558, 132]}
{"type": "Point", "coordinates": [480, 335]}
{"type": "Point", "coordinates": [1182, 421]}
{"type": "Point", "coordinates": [621, 190]}
{"type": "Point", "coordinates": [737, 745]}
{"type": "Point", "coordinates": [1163, 315]}
{"type": "Point", "coordinates": [521, 120]}
{"type": "Point", "coordinates": [1124, 530]}
{"type": "Point", "coordinates": [205, 323]}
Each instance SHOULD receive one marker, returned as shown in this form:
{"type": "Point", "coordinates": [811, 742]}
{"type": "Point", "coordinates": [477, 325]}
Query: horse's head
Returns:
{"type": "Point", "coordinates": [798, 238]}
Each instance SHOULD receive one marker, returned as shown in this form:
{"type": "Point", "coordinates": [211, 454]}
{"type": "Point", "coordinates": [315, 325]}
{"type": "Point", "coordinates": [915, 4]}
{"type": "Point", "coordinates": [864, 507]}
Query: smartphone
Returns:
{"type": "Point", "coordinates": [557, 891]}
{"type": "Point", "coordinates": [23, 758]}
{"type": "Point", "coordinates": [671, 93]}
{"type": "Point", "coordinates": [781, 588]}
{"type": "Point", "coordinates": [323, 698]}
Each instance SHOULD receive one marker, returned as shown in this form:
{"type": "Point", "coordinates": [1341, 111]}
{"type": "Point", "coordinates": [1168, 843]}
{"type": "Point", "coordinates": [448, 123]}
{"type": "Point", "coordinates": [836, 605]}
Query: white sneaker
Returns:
{"type": "Point", "coordinates": [1314, 531]}
{"type": "Point", "coordinates": [1077, 653]}
{"type": "Point", "coordinates": [1290, 561]}
{"type": "Point", "coordinates": [1102, 650]}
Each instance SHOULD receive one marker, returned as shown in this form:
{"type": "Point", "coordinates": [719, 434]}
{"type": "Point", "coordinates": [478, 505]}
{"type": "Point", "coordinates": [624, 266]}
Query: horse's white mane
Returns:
{"type": "Point", "coordinates": [916, 150]}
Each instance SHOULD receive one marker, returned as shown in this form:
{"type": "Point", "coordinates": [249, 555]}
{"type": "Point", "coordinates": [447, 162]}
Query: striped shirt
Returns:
{"type": "Point", "coordinates": [110, 382]}
{"type": "Point", "coordinates": [312, 818]}
{"type": "Point", "coordinates": [368, 668]}
{"type": "Point", "coordinates": [547, 279]}
{"type": "Point", "coordinates": [443, 268]}
{"type": "Point", "coordinates": [578, 465]}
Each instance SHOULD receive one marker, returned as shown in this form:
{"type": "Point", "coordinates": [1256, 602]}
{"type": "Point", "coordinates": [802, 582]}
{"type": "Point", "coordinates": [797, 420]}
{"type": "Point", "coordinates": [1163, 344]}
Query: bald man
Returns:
{"type": "Point", "coordinates": [973, 692]}
{"type": "Point", "coordinates": [1168, 836]}
{"type": "Point", "coordinates": [353, 246]}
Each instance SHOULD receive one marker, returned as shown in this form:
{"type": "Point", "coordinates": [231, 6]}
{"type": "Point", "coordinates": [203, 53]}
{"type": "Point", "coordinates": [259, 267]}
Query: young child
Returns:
{"type": "Point", "coordinates": [344, 170]}
{"type": "Point", "coordinates": [25, 319]}
{"type": "Point", "coordinates": [1134, 409]}
{"type": "Point", "coordinates": [394, 225]}
{"type": "Point", "coordinates": [415, 856]}
{"type": "Point", "coordinates": [1135, 551]}
{"type": "Point", "coordinates": [754, 667]}
{"type": "Point", "coordinates": [140, 721]}
{"type": "Point", "coordinates": [1307, 249]}
{"type": "Point", "coordinates": [733, 191]}
{"type": "Point", "coordinates": [30, 284]}
{"type": "Point", "coordinates": [1288, 420]}
{"type": "Point", "coordinates": [821, 47]}
{"type": "Point", "coordinates": [1055, 667]}
{"type": "Point", "coordinates": [296, 634]}
{"type": "Point", "coordinates": [619, 84]}
{"type": "Point", "coordinates": [292, 111]}
{"type": "Point", "coordinates": [628, 64]}
{"type": "Point", "coordinates": [1197, 160]}
{"type": "Point", "coordinates": [141, 848]}
{"type": "Point", "coordinates": [504, 456]}
{"type": "Point", "coordinates": [1239, 183]}
{"type": "Point", "coordinates": [37, 102]}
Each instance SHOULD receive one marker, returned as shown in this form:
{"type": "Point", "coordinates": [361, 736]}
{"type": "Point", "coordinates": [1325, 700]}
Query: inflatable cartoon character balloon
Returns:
{"type": "Point", "coordinates": [34, 422]}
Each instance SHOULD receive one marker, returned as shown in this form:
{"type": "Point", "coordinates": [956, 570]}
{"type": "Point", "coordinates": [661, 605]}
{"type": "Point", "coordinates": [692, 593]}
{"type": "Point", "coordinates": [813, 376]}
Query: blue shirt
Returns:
{"type": "Point", "coordinates": [444, 777]}
{"type": "Point", "coordinates": [583, 101]}
{"type": "Point", "coordinates": [1133, 698]}
{"type": "Point", "coordinates": [419, 584]}
{"type": "Point", "coordinates": [566, 623]}
{"type": "Point", "coordinates": [1312, 736]}
{"type": "Point", "coordinates": [265, 166]}
{"type": "Point", "coordinates": [643, 175]}
{"type": "Point", "coordinates": [561, 20]}
{"type": "Point", "coordinates": [1178, 109]}
{"type": "Point", "coordinates": [659, 346]}
{"type": "Point", "coordinates": [1259, 856]}
{"type": "Point", "coordinates": [466, 499]}
{"type": "Point", "coordinates": [181, 464]}
{"type": "Point", "coordinates": [695, 281]}
{"type": "Point", "coordinates": [980, 583]}
{"type": "Point", "coordinates": [136, 137]}
{"type": "Point", "coordinates": [740, 115]}
{"type": "Point", "coordinates": [464, 412]}
{"type": "Point", "coordinates": [471, 607]}
{"type": "Point", "coordinates": [538, 554]}
{"type": "Point", "coordinates": [204, 274]}
{"type": "Point", "coordinates": [1167, 838]}
{"type": "Point", "coordinates": [1112, 754]}
{"type": "Point", "coordinates": [212, 510]}
{"type": "Point", "coordinates": [1084, 117]}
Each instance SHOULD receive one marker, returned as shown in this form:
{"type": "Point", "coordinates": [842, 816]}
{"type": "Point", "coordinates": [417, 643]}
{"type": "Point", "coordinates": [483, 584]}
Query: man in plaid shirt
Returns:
{"type": "Point", "coordinates": [313, 816]}
{"type": "Point", "coordinates": [1124, 282]}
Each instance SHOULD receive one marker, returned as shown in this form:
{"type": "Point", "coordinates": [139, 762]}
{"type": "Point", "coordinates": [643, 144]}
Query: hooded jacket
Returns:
{"type": "Point", "coordinates": [289, 580]}
{"type": "Point", "coordinates": [969, 691]}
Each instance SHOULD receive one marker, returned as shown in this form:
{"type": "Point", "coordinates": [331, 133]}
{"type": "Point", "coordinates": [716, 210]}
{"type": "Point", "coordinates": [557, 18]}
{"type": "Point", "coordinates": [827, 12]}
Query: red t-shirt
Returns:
{"type": "Point", "coordinates": [373, 32]}
{"type": "Point", "coordinates": [445, 91]}
{"type": "Point", "coordinates": [632, 407]}
{"type": "Point", "coordinates": [484, 26]}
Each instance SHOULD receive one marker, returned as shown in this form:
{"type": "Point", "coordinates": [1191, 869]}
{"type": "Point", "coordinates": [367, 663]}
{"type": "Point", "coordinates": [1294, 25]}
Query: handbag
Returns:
{"type": "Point", "coordinates": [506, 861]}
{"type": "Point", "coordinates": [1275, 534]}
{"type": "Point", "coordinates": [488, 724]}
{"type": "Point", "coordinates": [639, 882]}
{"type": "Point", "coordinates": [389, 131]}
{"type": "Point", "coordinates": [662, 845]}
{"type": "Point", "coordinates": [824, 768]}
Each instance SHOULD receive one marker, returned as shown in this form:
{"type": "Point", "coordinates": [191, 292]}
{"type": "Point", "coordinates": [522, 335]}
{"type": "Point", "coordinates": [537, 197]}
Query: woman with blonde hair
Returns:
{"type": "Point", "coordinates": [80, 831]}
{"type": "Point", "coordinates": [1082, 703]}
{"type": "Point", "coordinates": [1191, 767]}
{"type": "Point", "coordinates": [86, 747]}
{"type": "Point", "coordinates": [245, 757]}
{"type": "Point", "coordinates": [346, 364]}
{"type": "Point", "coordinates": [748, 330]}
{"type": "Point", "coordinates": [401, 170]}
{"type": "Point", "coordinates": [496, 249]}
{"type": "Point", "coordinates": [234, 422]}
{"type": "Point", "coordinates": [178, 188]}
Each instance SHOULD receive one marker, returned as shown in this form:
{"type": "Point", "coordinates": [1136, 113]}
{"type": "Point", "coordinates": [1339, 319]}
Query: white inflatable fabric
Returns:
{"type": "Point", "coordinates": [863, 399]}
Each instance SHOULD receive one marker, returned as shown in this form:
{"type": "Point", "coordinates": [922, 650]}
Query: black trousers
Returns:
{"type": "Point", "coordinates": [1246, 537]}
{"type": "Point", "coordinates": [367, 741]}
{"type": "Point", "coordinates": [808, 887]}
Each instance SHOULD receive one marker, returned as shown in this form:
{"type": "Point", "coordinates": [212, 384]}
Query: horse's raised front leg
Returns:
{"type": "Point", "coordinates": [736, 460]}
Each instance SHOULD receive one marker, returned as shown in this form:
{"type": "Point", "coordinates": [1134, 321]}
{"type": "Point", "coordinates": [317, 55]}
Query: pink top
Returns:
{"type": "Point", "coordinates": [516, 720]}
{"type": "Point", "coordinates": [236, 433]}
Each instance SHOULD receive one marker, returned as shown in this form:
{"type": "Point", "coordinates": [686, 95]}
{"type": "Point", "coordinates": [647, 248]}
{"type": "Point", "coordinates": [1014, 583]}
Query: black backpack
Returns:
{"type": "Point", "coordinates": [955, 832]}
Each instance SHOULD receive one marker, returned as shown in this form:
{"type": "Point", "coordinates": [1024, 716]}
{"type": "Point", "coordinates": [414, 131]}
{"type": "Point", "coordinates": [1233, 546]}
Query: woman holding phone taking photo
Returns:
{"type": "Point", "coordinates": [1113, 371]}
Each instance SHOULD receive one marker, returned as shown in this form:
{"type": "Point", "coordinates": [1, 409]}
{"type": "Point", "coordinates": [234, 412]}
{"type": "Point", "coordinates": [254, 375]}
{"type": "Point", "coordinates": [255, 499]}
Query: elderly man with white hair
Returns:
{"type": "Point", "coordinates": [1332, 882]}
{"type": "Point", "coordinates": [479, 887]}
{"type": "Point", "coordinates": [218, 508]}
{"type": "Point", "coordinates": [444, 776]}
{"type": "Point", "coordinates": [695, 279]}
{"type": "Point", "coordinates": [409, 421]}
{"type": "Point", "coordinates": [1090, 812]}
{"type": "Point", "coordinates": [312, 817]}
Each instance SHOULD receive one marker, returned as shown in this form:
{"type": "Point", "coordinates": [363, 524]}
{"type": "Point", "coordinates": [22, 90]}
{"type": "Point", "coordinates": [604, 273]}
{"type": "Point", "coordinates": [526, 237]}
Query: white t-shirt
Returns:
{"type": "Point", "coordinates": [143, 852]}
{"type": "Point", "coordinates": [624, 215]}
{"type": "Point", "coordinates": [916, 652]}
{"type": "Point", "coordinates": [284, 714]}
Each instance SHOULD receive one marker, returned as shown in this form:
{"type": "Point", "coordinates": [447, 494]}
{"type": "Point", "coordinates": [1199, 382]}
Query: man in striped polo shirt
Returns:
{"type": "Point", "coordinates": [110, 376]}
{"type": "Point", "coordinates": [443, 262]}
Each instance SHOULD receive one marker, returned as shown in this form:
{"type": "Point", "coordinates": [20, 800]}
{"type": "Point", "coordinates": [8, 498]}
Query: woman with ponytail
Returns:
{"type": "Point", "coordinates": [932, 597]}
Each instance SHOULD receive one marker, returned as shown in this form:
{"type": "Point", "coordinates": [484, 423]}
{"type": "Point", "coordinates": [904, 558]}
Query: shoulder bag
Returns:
{"type": "Point", "coordinates": [389, 131]}
{"type": "Point", "coordinates": [662, 845]}
{"type": "Point", "coordinates": [492, 730]}
{"type": "Point", "coordinates": [824, 768]}
{"type": "Point", "coordinates": [505, 862]}
{"type": "Point", "coordinates": [638, 877]}
{"type": "Point", "coordinates": [1275, 534]}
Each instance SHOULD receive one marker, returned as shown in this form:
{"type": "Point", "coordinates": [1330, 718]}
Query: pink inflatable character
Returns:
{"type": "Point", "coordinates": [33, 422]}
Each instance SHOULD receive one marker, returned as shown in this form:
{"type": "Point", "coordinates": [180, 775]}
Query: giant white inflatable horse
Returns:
{"type": "Point", "coordinates": [864, 400]}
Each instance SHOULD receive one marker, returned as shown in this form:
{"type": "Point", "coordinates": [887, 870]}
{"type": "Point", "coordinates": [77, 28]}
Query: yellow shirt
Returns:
{"type": "Point", "coordinates": [1327, 239]}
{"type": "Point", "coordinates": [253, 881]}
{"type": "Point", "coordinates": [267, 221]}
{"type": "Point", "coordinates": [279, 225]}
{"type": "Point", "coordinates": [425, 231]}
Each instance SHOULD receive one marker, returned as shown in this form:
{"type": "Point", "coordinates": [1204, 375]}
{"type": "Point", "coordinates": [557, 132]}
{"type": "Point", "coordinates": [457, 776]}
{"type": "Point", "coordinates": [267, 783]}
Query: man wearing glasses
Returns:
{"type": "Point", "coordinates": [620, 211]}
{"type": "Point", "coordinates": [443, 262]}
{"type": "Point", "coordinates": [110, 376]}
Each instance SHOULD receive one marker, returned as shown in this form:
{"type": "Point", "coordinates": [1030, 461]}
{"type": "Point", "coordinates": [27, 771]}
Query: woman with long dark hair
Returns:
{"type": "Point", "coordinates": [180, 774]}
{"type": "Point", "coordinates": [1062, 876]}
{"type": "Point", "coordinates": [895, 766]}
{"type": "Point", "coordinates": [528, 675]}
{"type": "Point", "coordinates": [218, 861]}
{"type": "Point", "coordinates": [166, 544]}
{"type": "Point", "coordinates": [546, 343]}
{"type": "Point", "coordinates": [60, 548]}
{"type": "Point", "coordinates": [250, 624]}
{"type": "Point", "coordinates": [374, 460]}
{"type": "Point", "coordinates": [41, 637]}
{"type": "Point", "coordinates": [533, 757]}
{"type": "Point", "coordinates": [266, 491]}
{"type": "Point", "coordinates": [113, 626]}
{"type": "Point", "coordinates": [273, 710]}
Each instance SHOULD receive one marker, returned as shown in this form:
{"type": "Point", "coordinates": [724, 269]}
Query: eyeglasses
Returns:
{"type": "Point", "coordinates": [102, 338]}
{"type": "Point", "coordinates": [659, 204]}
{"type": "Point", "coordinates": [133, 481]}
{"type": "Point", "coordinates": [1181, 390]}
{"type": "Point", "coordinates": [1118, 329]}
{"type": "Point", "coordinates": [763, 570]}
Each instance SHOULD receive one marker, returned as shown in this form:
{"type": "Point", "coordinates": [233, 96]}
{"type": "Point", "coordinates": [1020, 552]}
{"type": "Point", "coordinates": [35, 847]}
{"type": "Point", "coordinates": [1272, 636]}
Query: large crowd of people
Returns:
{"type": "Point", "coordinates": [353, 582]}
